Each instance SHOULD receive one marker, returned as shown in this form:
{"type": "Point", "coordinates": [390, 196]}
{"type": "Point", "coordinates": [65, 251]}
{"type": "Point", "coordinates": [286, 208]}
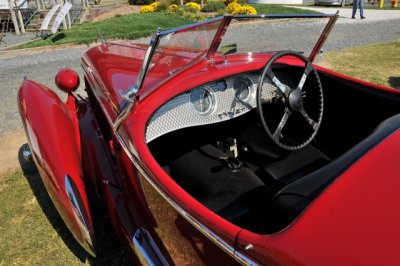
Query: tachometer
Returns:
{"type": "Point", "coordinates": [244, 89]}
{"type": "Point", "coordinates": [203, 101]}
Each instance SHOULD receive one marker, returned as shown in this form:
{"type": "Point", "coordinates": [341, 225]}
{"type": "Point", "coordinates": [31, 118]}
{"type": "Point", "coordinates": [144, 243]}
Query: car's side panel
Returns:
{"type": "Point", "coordinates": [174, 219]}
{"type": "Point", "coordinates": [53, 136]}
{"type": "Point", "coordinates": [184, 243]}
{"type": "Point", "coordinates": [358, 212]}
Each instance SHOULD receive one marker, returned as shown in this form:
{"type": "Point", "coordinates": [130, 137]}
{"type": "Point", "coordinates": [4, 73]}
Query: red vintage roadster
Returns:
{"type": "Point", "coordinates": [222, 143]}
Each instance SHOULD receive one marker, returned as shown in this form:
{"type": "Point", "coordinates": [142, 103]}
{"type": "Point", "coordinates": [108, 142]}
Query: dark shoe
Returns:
{"type": "Point", "coordinates": [363, 17]}
{"type": "Point", "coordinates": [353, 17]}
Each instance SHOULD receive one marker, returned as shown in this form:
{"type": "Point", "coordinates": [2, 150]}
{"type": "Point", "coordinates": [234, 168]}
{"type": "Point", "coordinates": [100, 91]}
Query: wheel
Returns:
{"type": "Point", "coordinates": [292, 116]}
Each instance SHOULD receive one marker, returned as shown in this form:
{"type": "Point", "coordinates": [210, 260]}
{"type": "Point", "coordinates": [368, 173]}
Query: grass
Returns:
{"type": "Point", "coordinates": [133, 26]}
{"type": "Point", "coordinates": [120, 27]}
{"type": "Point", "coordinates": [27, 237]}
{"type": "Point", "coordinates": [33, 233]}
{"type": "Point", "coordinates": [375, 63]}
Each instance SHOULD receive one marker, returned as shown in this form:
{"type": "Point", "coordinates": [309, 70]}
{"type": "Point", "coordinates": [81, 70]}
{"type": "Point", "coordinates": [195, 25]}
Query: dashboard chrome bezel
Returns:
{"type": "Point", "coordinates": [211, 97]}
{"type": "Point", "coordinates": [251, 87]}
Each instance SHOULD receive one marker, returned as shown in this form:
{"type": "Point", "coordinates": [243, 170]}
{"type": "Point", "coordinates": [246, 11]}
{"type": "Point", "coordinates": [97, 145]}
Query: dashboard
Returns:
{"type": "Point", "coordinates": [210, 103]}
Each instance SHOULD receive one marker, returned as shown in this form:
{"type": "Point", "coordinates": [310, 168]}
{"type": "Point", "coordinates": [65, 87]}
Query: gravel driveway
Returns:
{"type": "Point", "coordinates": [42, 64]}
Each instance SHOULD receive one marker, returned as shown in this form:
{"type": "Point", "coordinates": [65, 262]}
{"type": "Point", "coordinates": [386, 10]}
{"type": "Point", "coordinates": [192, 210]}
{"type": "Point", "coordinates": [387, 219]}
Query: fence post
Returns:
{"type": "Point", "coordinates": [13, 17]}
{"type": "Point", "coordinates": [64, 23]}
{"type": "Point", "coordinates": [68, 20]}
{"type": "Point", "coordinates": [21, 21]}
{"type": "Point", "coordinates": [39, 7]}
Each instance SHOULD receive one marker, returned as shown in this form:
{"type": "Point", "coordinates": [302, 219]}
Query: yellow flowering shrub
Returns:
{"type": "Point", "coordinates": [232, 7]}
{"type": "Point", "coordinates": [173, 6]}
{"type": "Point", "coordinates": [250, 10]}
{"type": "Point", "coordinates": [193, 5]}
{"type": "Point", "coordinates": [244, 10]}
{"type": "Point", "coordinates": [150, 8]}
{"type": "Point", "coordinates": [147, 9]}
{"type": "Point", "coordinates": [155, 4]}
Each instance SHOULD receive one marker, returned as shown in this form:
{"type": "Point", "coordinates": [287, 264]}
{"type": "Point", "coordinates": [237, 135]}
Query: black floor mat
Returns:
{"type": "Point", "coordinates": [204, 175]}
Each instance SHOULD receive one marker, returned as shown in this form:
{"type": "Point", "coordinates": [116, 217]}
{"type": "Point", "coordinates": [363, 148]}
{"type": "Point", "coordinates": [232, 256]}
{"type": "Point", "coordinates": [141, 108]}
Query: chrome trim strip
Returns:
{"type": "Point", "coordinates": [143, 242]}
{"type": "Point", "coordinates": [243, 259]}
{"type": "Point", "coordinates": [238, 256]}
{"type": "Point", "coordinates": [80, 214]}
{"type": "Point", "coordinates": [86, 71]}
{"type": "Point", "coordinates": [129, 96]}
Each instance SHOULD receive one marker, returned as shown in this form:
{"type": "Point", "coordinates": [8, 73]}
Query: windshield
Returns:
{"type": "Point", "coordinates": [265, 35]}
{"type": "Point", "coordinates": [172, 51]}
{"type": "Point", "coordinates": [180, 48]}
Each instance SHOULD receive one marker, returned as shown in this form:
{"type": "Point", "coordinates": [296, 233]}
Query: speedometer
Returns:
{"type": "Point", "coordinates": [244, 89]}
{"type": "Point", "coordinates": [202, 100]}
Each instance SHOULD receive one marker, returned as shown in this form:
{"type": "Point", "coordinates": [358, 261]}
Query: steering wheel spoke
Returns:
{"type": "Point", "coordinates": [303, 79]}
{"type": "Point", "coordinates": [277, 82]}
{"type": "Point", "coordinates": [294, 99]}
{"type": "Point", "coordinates": [278, 131]}
{"type": "Point", "coordinates": [309, 120]}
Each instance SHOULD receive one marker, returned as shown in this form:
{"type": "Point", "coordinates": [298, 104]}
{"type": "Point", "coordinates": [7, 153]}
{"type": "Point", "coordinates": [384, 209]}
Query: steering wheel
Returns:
{"type": "Point", "coordinates": [290, 111]}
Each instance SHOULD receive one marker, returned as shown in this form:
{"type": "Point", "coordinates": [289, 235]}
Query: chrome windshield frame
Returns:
{"type": "Point", "coordinates": [131, 95]}
{"type": "Point", "coordinates": [225, 21]}
{"type": "Point", "coordinates": [228, 18]}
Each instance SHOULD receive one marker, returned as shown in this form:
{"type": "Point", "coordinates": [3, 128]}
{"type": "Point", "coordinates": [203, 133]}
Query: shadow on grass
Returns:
{"type": "Point", "coordinates": [109, 250]}
{"type": "Point", "coordinates": [58, 37]}
{"type": "Point", "coordinates": [394, 82]}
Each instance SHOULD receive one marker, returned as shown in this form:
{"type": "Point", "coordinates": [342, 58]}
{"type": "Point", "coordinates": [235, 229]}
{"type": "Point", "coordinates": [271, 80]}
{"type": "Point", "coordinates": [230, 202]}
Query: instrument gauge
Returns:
{"type": "Point", "coordinates": [203, 101]}
{"type": "Point", "coordinates": [244, 89]}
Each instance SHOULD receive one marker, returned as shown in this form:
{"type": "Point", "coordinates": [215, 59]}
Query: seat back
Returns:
{"type": "Point", "coordinates": [291, 200]}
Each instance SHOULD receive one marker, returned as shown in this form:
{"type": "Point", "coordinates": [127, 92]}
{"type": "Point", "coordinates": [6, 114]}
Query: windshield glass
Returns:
{"type": "Point", "coordinates": [173, 50]}
{"type": "Point", "coordinates": [177, 49]}
{"type": "Point", "coordinates": [264, 35]}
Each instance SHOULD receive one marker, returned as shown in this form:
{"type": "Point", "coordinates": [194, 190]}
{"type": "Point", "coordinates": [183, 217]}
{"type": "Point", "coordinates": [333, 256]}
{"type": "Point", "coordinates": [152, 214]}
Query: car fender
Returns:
{"type": "Point", "coordinates": [51, 127]}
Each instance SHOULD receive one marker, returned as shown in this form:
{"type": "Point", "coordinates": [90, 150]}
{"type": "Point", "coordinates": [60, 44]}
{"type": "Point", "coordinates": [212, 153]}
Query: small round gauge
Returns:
{"type": "Point", "coordinates": [243, 87]}
{"type": "Point", "coordinates": [202, 100]}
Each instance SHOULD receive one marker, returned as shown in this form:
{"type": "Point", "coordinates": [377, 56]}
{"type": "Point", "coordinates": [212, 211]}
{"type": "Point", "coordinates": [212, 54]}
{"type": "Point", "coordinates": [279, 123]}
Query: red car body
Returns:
{"type": "Point", "coordinates": [96, 152]}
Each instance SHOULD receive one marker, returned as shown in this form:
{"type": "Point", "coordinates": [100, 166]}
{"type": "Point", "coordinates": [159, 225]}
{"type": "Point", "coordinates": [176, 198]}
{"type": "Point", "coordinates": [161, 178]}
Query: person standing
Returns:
{"type": "Point", "coordinates": [360, 4]}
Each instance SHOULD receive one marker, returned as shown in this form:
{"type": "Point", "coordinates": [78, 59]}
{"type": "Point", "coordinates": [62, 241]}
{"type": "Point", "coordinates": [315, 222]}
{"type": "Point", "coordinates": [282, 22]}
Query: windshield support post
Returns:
{"type": "Point", "coordinates": [146, 61]}
{"type": "Point", "coordinates": [218, 36]}
{"type": "Point", "coordinates": [324, 36]}
{"type": "Point", "coordinates": [130, 95]}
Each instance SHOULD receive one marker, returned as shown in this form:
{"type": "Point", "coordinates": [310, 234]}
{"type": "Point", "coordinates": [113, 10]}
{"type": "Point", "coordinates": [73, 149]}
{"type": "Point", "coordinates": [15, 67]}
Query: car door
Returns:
{"type": "Point", "coordinates": [185, 235]}
{"type": "Point", "coordinates": [173, 227]}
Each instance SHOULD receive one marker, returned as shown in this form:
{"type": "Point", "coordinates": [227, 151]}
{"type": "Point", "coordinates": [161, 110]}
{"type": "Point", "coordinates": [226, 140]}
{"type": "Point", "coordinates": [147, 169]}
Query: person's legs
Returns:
{"type": "Point", "coordinates": [361, 3]}
{"type": "Point", "coordinates": [355, 2]}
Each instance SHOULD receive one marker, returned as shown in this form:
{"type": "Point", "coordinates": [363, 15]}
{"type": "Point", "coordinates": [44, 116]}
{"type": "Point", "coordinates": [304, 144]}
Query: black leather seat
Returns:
{"type": "Point", "coordinates": [292, 199]}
